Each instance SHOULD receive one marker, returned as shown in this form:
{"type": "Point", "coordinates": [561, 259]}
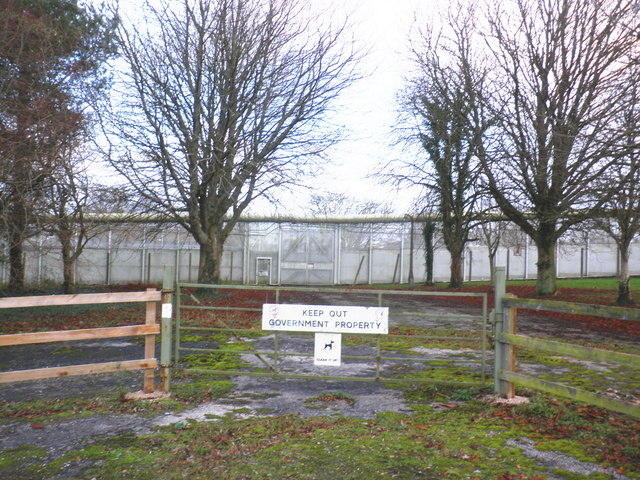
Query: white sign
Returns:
{"type": "Point", "coordinates": [325, 318]}
{"type": "Point", "coordinates": [328, 347]}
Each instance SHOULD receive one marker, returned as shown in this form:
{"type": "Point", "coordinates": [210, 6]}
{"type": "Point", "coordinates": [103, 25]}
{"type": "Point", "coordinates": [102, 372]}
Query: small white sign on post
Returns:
{"type": "Point", "coordinates": [328, 349]}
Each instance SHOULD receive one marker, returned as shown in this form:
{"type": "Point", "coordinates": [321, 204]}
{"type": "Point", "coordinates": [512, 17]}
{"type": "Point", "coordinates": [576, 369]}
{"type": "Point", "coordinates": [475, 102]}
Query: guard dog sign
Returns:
{"type": "Point", "coordinates": [328, 349]}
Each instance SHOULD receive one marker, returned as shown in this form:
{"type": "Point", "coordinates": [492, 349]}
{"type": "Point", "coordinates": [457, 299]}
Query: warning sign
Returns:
{"type": "Point", "coordinates": [328, 347]}
{"type": "Point", "coordinates": [325, 318]}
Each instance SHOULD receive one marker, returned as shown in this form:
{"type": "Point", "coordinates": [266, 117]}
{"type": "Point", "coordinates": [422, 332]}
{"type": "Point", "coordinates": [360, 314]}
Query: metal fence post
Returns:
{"type": "Point", "coordinates": [500, 288]}
{"type": "Point", "coordinates": [484, 339]}
{"type": "Point", "coordinates": [166, 327]}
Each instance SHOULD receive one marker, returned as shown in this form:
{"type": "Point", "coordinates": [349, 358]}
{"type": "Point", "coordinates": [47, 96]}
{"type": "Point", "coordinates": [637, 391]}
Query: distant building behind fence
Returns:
{"type": "Point", "coordinates": [300, 253]}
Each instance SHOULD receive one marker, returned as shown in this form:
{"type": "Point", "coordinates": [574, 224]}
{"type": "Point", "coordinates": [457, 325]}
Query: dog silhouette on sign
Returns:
{"type": "Point", "coordinates": [328, 346]}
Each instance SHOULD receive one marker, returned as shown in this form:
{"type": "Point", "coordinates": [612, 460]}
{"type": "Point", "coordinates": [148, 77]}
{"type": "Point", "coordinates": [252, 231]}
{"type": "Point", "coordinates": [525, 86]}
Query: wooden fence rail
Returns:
{"type": "Point", "coordinates": [150, 329]}
{"type": "Point", "coordinates": [506, 340]}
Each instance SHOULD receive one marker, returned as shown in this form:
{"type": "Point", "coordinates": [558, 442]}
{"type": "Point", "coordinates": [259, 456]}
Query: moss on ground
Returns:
{"type": "Point", "coordinates": [451, 432]}
{"type": "Point", "coordinates": [594, 377]}
{"type": "Point", "coordinates": [228, 359]}
{"type": "Point", "coordinates": [187, 390]}
{"type": "Point", "coordinates": [22, 462]}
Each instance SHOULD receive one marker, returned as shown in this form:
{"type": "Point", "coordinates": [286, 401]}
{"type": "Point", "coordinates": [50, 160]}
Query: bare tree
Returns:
{"type": "Point", "coordinates": [358, 236]}
{"type": "Point", "coordinates": [225, 101]}
{"type": "Point", "coordinates": [491, 234]}
{"type": "Point", "coordinates": [331, 203]}
{"type": "Point", "coordinates": [560, 83]}
{"type": "Point", "coordinates": [70, 197]}
{"type": "Point", "coordinates": [448, 123]}
{"type": "Point", "coordinates": [620, 187]}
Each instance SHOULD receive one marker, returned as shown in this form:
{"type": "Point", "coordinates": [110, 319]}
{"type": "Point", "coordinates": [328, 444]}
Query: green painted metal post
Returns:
{"type": "Point", "coordinates": [176, 346]}
{"type": "Point", "coordinates": [483, 377]}
{"type": "Point", "coordinates": [378, 346]}
{"type": "Point", "coordinates": [499, 289]}
{"type": "Point", "coordinates": [166, 327]}
{"type": "Point", "coordinates": [276, 346]}
{"type": "Point", "coordinates": [276, 358]}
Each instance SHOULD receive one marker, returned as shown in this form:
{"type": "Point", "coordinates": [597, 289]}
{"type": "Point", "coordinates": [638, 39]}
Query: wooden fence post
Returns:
{"type": "Point", "coordinates": [167, 311]}
{"type": "Point", "coordinates": [149, 345]}
{"type": "Point", "coordinates": [507, 360]}
{"type": "Point", "coordinates": [500, 288]}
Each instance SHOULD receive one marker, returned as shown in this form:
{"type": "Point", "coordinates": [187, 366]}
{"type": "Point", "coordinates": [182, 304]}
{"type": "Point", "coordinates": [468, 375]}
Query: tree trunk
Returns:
{"type": "Point", "coordinates": [455, 279]}
{"type": "Point", "coordinates": [16, 227]}
{"type": "Point", "coordinates": [211, 259]}
{"type": "Point", "coordinates": [68, 261]}
{"type": "Point", "coordinates": [546, 281]}
{"type": "Point", "coordinates": [624, 292]}
{"type": "Point", "coordinates": [410, 276]}
{"type": "Point", "coordinates": [427, 233]}
{"type": "Point", "coordinates": [454, 240]}
{"type": "Point", "coordinates": [492, 266]}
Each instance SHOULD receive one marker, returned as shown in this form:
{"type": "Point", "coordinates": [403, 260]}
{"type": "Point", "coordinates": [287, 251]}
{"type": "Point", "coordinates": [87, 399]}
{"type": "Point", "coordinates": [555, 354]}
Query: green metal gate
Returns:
{"type": "Point", "coordinates": [218, 330]}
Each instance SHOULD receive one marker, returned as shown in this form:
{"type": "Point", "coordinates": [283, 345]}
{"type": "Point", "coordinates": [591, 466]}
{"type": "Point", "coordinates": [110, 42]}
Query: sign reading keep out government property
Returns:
{"type": "Point", "coordinates": [325, 318]}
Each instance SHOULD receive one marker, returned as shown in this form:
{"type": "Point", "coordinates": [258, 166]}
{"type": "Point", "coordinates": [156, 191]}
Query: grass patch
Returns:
{"type": "Point", "coordinates": [590, 283]}
{"type": "Point", "coordinates": [66, 351]}
{"type": "Point", "coordinates": [600, 283]}
{"type": "Point", "coordinates": [187, 390]}
{"type": "Point", "coordinates": [21, 462]}
{"type": "Point", "coordinates": [468, 440]}
{"type": "Point", "coordinates": [451, 432]}
{"type": "Point", "coordinates": [434, 372]}
{"type": "Point", "coordinates": [223, 337]}
{"type": "Point", "coordinates": [594, 377]}
{"type": "Point", "coordinates": [404, 339]}
{"type": "Point", "coordinates": [216, 360]}
{"type": "Point", "coordinates": [330, 401]}
{"type": "Point", "coordinates": [194, 388]}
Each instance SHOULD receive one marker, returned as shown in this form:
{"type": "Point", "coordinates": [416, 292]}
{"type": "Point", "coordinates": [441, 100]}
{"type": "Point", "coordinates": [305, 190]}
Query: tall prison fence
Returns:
{"type": "Point", "coordinates": [272, 253]}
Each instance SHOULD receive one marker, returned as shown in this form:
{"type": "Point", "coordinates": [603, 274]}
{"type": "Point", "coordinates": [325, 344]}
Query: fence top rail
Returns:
{"type": "Point", "coordinates": [605, 311]}
{"type": "Point", "coordinates": [80, 299]}
{"type": "Point", "coordinates": [369, 291]}
{"type": "Point", "coordinates": [569, 349]}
